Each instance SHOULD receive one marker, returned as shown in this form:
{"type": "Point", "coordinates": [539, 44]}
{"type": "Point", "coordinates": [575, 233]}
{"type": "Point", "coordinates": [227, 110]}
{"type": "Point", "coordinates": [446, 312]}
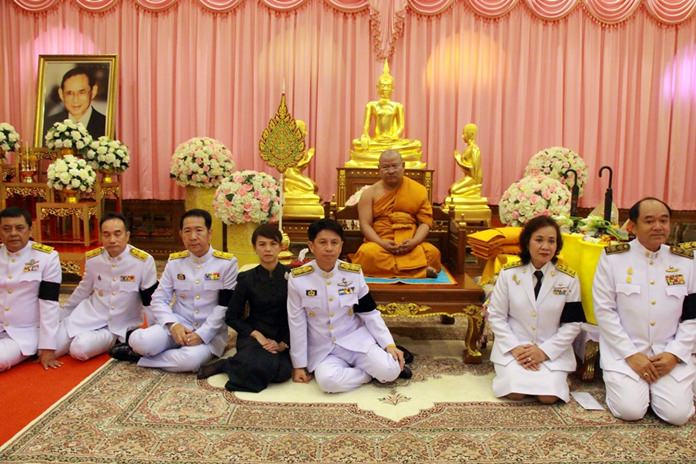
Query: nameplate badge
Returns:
{"type": "Point", "coordinates": [311, 292]}
{"type": "Point", "coordinates": [560, 290]}
{"type": "Point", "coordinates": [127, 278]}
{"type": "Point", "coordinates": [212, 276]}
{"type": "Point", "coordinates": [675, 279]}
{"type": "Point", "coordinates": [180, 277]}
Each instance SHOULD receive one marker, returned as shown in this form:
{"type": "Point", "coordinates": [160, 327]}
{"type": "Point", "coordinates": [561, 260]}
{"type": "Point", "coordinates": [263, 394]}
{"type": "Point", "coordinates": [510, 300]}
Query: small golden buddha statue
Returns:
{"type": "Point", "coordinates": [389, 123]}
{"type": "Point", "coordinates": [299, 191]}
{"type": "Point", "coordinates": [465, 194]}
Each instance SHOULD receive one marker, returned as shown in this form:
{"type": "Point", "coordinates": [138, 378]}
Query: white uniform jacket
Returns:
{"type": "Point", "coordinates": [112, 292]}
{"type": "Point", "coordinates": [202, 287]}
{"type": "Point", "coordinates": [331, 308]}
{"type": "Point", "coordinates": [29, 289]}
{"type": "Point", "coordinates": [642, 304]}
{"type": "Point", "coordinates": [551, 321]}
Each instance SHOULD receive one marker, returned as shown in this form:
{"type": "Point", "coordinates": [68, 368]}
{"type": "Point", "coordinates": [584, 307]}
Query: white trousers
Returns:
{"type": "Point", "coordinates": [159, 349]}
{"type": "Point", "coordinates": [91, 343]}
{"type": "Point", "coordinates": [11, 354]}
{"type": "Point", "coordinates": [343, 370]}
{"type": "Point", "coordinates": [671, 400]}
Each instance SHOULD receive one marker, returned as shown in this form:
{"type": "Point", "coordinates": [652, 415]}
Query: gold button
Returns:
{"type": "Point", "coordinates": [195, 312]}
{"type": "Point", "coordinates": [533, 329]}
{"type": "Point", "coordinates": [198, 267]}
{"type": "Point", "coordinates": [652, 323]}
{"type": "Point", "coordinates": [652, 282]}
{"type": "Point", "coordinates": [331, 298]}
{"type": "Point", "coordinates": [9, 276]}
{"type": "Point", "coordinates": [331, 314]}
{"type": "Point", "coordinates": [330, 327]}
{"type": "Point", "coordinates": [328, 283]}
{"type": "Point", "coordinates": [9, 290]}
{"type": "Point", "coordinates": [198, 297]}
{"type": "Point", "coordinates": [113, 265]}
{"type": "Point", "coordinates": [198, 281]}
{"type": "Point", "coordinates": [7, 308]}
{"type": "Point", "coordinates": [534, 314]}
{"type": "Point", "coordinates": [651, 261]}
{"type": "Point", "coordinates": [13, 260]}
{"type": "Point", "coordinates": [113, 293]}
{"type": "Point", "coordinates": [652, 302]}
{"type": "Point", "coordinates": [101, 293]}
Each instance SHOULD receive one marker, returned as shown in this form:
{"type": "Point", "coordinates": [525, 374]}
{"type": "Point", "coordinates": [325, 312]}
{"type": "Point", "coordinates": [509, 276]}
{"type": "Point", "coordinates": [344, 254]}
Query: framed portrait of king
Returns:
{"type": "Point", "coordinates": [77, 87]}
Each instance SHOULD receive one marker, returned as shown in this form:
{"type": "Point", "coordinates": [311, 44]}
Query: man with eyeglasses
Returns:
{"type": "Point", "coordinates": [77, 90]}
{"type": "Point", "coordinates": [395, 218]}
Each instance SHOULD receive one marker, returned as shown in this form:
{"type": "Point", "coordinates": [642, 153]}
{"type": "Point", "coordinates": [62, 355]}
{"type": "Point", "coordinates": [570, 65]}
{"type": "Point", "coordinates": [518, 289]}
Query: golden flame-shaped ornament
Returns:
{"type": "Point", "coordinates": [282, 143]}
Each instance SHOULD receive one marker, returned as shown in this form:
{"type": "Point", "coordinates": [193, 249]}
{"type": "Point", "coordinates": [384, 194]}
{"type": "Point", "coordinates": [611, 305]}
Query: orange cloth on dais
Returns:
{"type": "Point", "coordinates": [396, 216]}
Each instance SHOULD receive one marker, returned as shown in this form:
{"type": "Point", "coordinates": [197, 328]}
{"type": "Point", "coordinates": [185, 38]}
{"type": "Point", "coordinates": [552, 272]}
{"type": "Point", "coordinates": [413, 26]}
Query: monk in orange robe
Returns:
{"type": "Point", "coordinates": [395, 218]}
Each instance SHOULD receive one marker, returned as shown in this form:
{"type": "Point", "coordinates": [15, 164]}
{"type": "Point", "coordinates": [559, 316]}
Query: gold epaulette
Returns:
{"type": "Point", "coordinates": [223, 255]}
{"type": "Point", "coordinates": [688, 245]}
{"type": "Point", "coordinates": [42, 247]}
{"type": "Point", "coordinates": [566, 270]}
{"type": "Point", "coordinates": [350, 267]}
{"type": "Point", "coordinates": [618, 248]}
{"type": "Point", "coordinates": [140, 254]}
{"type": "Point", "coordinates": [178, 255]}
{"type": "Point", "coordinates": [513, 264]}
{"type": "Point", "coordinates": [92, 253]}
{"type": "Point", "coordinates": [684, 253]}
{"type": "Point", "coordinates": [302, 270]}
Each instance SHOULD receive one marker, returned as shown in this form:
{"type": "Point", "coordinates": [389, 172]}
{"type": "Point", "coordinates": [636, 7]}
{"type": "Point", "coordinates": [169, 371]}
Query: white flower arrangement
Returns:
{"type": "Point", "coordinates": [248, 196]}
{"type": "Point", "coordinates": [201, 162]}
{"type": "Point", "coordinates": [9, 138]}
{"type": "Point", "coordinates": [71, 172]}
{"type": "Point", "coordinates": [108, 155]}
{"type": "Point", "coordinates": [68, 134]}
{"type": "Point", "coordinates": [533, 196]}
{"type": "Point", "coordinates": [554, 162]}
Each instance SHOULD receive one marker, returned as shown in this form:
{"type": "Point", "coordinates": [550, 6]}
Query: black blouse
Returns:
{"type": "Point", "coordinates": [267, 294]}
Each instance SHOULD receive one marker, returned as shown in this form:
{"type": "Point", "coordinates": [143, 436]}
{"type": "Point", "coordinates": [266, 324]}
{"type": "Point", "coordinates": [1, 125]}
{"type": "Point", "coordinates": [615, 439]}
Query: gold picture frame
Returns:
{"type": "Point", "coordinates": [91, 85]}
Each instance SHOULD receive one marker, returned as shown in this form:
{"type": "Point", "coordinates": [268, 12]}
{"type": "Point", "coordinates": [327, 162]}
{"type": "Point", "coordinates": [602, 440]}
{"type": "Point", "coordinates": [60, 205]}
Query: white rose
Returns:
{"type": "Point", "coordinates": [75, 183]}
{"type": "Point", "coordinates": [64, 178]}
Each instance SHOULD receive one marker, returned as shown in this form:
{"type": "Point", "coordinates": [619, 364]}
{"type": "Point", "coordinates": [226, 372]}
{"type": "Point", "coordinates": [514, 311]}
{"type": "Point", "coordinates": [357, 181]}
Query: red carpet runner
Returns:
{"type": "Point", "coordinates": [27, 390]}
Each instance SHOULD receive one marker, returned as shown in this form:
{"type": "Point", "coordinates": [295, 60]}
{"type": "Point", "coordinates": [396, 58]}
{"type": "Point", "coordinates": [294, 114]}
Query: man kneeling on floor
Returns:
{"type": "Point", "coordinates": [336, 331]}
{"type": "Point", "coordinates": [112, 296]}
{"type": "Point", "coordinates": [190, 331]}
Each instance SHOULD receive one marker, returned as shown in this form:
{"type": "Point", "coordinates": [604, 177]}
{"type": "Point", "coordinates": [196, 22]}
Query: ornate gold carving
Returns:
{"type": "Point", "coordinates": [26, 192]}
{"type": "Point", "coordinates": [405, 309]}
{"type": "Point", "coordinates": [65, 212]}
{"type": "Point", "coordinates": [474, 328]}
{"type": "Point", "coordinates": [113, 190]}
{"type": "Point", "coordinates": [282, 143]}
{"type": "Point", "coordinates": [590, 361]}
{"type": "Point", "coordinates": [70, 267]}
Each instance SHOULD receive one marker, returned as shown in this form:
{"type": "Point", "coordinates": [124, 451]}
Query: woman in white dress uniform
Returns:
{"type": "Point", "coordinates": [535, 313]}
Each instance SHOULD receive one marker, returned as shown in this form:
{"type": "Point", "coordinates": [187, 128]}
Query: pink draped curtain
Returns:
{"type": "Point", "coordinates": [623, 96]}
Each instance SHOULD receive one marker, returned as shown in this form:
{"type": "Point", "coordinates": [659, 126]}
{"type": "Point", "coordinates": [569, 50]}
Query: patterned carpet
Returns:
{"type": "Point", "coordinates": [125, 414]}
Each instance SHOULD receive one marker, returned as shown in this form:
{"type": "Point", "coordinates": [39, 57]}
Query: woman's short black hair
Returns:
{"type": "Point", "coordinates": [532, 226]}
{"type": "Point", "coordinates": [269, 231]}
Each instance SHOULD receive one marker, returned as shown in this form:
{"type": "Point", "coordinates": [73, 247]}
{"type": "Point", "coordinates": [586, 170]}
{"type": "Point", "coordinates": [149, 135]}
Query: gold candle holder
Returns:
{"type": "Point", "coordinates": [27, 166]}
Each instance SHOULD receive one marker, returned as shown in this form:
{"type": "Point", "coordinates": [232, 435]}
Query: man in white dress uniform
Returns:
{"type": "Point", "coordinates": [645, 303]}
{"type": "Point", "coordinates": [190, 331]}
{"type": "Point", "coordinates": [111, 298]}
{"type": "Point", "coordinates": [30, 277]}
{"type": "Point", "coordinates": [336, 330]}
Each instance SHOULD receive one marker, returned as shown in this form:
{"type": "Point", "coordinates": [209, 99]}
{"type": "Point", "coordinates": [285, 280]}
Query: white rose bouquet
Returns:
{"type": "Point", "coordinates": [248, 196]}
{"type": "Point", "coordinates": [108, 155]}
{"type": "Point", "coordinates": [9, 138]}
{"type": "Point", "coordinates": [533, 196]}
{"type": "Point", "coordinates": [71, 172]}
{"type": "Point", "coordinates": [68, 134]}
{"type": "Point", "coordinates": [554, 162]}
{"type": "Point", "coordinates": [201, 162]}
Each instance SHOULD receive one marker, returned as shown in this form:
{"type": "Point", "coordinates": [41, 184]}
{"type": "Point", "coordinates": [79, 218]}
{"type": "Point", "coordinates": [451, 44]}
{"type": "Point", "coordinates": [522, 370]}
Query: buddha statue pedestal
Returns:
{"type": "Point", "coordinates": [297, 207]}
{"type": "Point", "coordinates": [470, 210]}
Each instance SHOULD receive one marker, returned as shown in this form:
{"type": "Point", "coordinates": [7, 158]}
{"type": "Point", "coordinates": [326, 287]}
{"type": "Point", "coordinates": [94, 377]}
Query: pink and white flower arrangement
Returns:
{"type": "Point", "coordinates": [71, 172]}
{"type": "Point", "coordinates": [201, 162]}
{"type": "Point", "coordinates": [533, 196]}
{"type": "Point", "coordinates": [108, 155]}
{"type": "Point", "coordinates": [68, 134]}
{"type": "Point", "coordinates": [248, 196]}
{"type": "Point", "coordinates": [554, 162]}
{"type": "Point", "coordinates": [9, 138]}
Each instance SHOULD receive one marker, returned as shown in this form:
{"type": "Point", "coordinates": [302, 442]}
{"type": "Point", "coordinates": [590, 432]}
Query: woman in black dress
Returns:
{"type": "Point", "coordinates": [262, 335]}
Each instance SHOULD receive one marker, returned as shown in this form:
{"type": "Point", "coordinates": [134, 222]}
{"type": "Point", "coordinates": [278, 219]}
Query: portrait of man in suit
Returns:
{"type": "Point", "coordinates": [79, 88]}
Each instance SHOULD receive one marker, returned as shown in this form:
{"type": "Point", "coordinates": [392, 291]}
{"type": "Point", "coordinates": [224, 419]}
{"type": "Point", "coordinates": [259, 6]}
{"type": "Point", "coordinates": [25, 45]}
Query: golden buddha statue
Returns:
{"type": "Point", "coordinates": [389, 123]}
{"type": "Point", "coordinates": [465, 194]}
{"type": "Point", "coordinates": [299, 191]}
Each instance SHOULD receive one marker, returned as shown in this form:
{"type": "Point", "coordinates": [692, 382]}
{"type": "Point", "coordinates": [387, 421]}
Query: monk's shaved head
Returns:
{"type": "Point", "coordinates": [388, 156]}
{"type": "Point", "coordinates": [391, 168]}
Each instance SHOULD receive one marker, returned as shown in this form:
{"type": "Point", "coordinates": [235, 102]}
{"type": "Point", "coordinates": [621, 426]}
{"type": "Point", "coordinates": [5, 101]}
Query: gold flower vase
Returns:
{"type": "Point", "coordinates": [239, 243]}
{"type": "Point", "coordinates": [202, 198]}
{"type": "Point", "coordinates": [107, 177]}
